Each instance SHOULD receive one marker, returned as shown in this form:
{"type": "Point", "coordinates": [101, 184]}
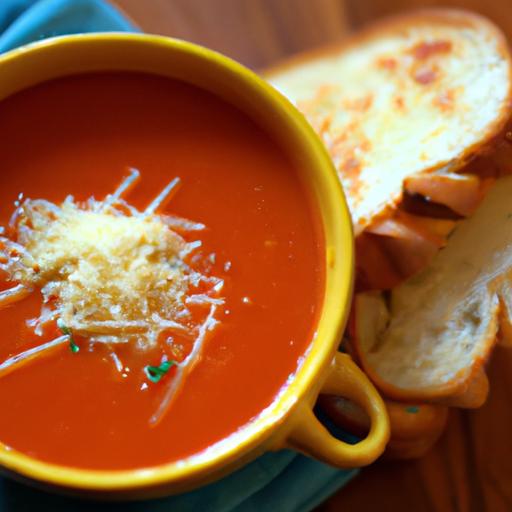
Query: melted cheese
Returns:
{"type": "Point", "coordinates": [114, 277]}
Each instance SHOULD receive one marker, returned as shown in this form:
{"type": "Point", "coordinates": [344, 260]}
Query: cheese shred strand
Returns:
{"type": "Point", "coordinates": [15, 294]}
{"type": "Point", "coordinates": [184, 368]}
{"type": "Point", "coordinates": [23, 358]}
{"type": "Point", "coordinates": [125, 186]}
{"type": "Point", "coordinates": [163, 198]}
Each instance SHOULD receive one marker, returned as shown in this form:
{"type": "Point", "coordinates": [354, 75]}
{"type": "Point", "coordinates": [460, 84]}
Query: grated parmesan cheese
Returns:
{"type": "Point", "coordinates": [112, 274]}
{"type": "Point", "coordinates": [108, 272]}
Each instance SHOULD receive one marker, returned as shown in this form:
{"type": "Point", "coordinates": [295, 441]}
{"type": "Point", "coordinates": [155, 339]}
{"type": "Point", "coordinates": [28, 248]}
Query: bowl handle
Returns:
{"type": "Point", "coordinates": [309, 436]}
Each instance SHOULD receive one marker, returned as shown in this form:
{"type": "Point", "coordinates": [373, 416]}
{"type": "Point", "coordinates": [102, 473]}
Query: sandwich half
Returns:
{"type": "Point", "coordinates": [414, 95]}
{"type": "Point", "coordinates": [428, 339]}
{"type": "Point", "coordinates": [402, 108]}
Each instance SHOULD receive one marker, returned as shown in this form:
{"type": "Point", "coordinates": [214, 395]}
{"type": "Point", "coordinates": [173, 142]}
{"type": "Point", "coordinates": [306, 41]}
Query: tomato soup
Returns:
{"type": "Point", "coordinates": [79, 136]}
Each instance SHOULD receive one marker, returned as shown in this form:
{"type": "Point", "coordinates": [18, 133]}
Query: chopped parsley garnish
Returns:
{"type": "Point", "coordinates": [67, 331]}
{"type": "Point", "coordinates": [412, 409]}
{"type": "Point", "coordinates": [155, 373]}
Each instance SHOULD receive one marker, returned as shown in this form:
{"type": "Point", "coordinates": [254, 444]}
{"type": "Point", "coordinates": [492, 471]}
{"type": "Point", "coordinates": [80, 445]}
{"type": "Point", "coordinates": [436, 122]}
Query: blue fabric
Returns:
{"type": "Point", "coordinates": [283, 481]}
{"type": "Point", "coordinates": [24, 21]}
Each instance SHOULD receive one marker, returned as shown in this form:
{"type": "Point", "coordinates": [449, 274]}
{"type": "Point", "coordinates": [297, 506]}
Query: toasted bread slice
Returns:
{"type": "Point", "coordinates": [415, 94]}
{"type": "Point", "coordinates": [430, 340]}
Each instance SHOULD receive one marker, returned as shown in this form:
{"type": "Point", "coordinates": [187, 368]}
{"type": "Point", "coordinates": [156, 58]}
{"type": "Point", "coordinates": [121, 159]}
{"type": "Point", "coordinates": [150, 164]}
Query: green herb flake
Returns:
{"type": "Point", "coordinates": [67, 331]}
{"type": "Point", "coordinates": [413, 409]}
{"type": "Point", "coordinates": [155, 373]}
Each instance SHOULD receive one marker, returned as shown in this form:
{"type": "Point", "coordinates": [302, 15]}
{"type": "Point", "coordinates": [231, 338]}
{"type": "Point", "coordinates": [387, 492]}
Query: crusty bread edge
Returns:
{"type": "Point", "coordinates": [474, 396]}
{"type": "Point", "coordinates": [468, 389]}
{"type": "Point", "coordinates": [414, 428]}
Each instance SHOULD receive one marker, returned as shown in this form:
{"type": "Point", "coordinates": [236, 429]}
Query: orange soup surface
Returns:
{"type": "Point", "coordinates": [78, 136]}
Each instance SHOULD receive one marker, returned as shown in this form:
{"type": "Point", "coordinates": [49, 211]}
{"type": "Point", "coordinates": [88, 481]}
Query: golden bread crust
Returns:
{"type": "Point", "coordinates": [367, 131]}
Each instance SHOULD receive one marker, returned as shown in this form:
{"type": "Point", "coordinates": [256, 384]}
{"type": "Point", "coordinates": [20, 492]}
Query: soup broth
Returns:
{"type": "Point", "coordinates": [78, 135]}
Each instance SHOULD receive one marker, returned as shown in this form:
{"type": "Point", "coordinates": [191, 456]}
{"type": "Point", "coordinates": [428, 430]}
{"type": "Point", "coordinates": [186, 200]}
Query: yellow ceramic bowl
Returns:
{"type": "Point", "coordinates": [289, 422]}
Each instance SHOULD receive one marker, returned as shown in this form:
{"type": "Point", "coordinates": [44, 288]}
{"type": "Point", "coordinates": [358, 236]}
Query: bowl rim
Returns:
{"type": "Point", "coordinates": [336, 222]}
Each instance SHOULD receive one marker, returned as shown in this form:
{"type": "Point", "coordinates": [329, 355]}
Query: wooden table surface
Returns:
{"type": "Point", "coordinates": [470, 469]}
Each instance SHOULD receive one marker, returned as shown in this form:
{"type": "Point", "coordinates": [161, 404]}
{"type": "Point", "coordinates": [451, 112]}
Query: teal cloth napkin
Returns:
{"type": "Point", "coordinates": [282, 481]}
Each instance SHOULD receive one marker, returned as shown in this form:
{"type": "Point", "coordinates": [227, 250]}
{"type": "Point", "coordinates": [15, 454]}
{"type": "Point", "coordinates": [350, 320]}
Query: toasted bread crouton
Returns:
{"type": "Point", "coordinates": [428, 342]}
{"type": "Point", "coordinates": [411, 98]}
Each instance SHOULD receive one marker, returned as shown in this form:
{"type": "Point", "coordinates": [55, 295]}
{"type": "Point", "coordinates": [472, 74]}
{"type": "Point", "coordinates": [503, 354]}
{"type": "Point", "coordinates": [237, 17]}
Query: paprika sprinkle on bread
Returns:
{"type": "Point", "coordinates": [412, 95]}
